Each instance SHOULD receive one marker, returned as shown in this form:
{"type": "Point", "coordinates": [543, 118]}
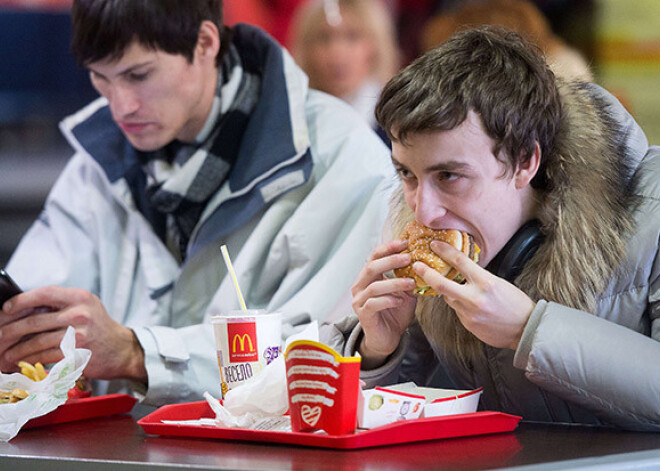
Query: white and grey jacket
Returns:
{"type": "Point", "coordinates": [301, 210]}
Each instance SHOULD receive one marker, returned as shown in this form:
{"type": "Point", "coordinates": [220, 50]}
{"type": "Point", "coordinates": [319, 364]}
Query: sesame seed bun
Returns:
{"type": "Point", "coordinates": [419, 239]}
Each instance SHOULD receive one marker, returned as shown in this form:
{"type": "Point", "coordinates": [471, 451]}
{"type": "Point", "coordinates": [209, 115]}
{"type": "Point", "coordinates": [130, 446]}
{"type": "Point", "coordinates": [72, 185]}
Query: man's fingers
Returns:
{"type": "Point", "coordinates": [389, 248]}
{"type": "Point", "coordinates": [28, 301]}
{"type": "Point", "coordinates": [373, 271]}
{"type": "Point", "coordinates": [382, 288]}
{"type": "Point", "coordinates": [36, 348]}
{"type": "Point", "coordinates": [26, 326]}
{"type": "Point", "coordinates": [52, 355]}
{"type": "Point", "coordinates": [385, 257]}
{"type": "Point", "coordinates": [9, 318]}
{"type": "Point", "coordinates": [438, 282]}
{"type": "Point", "coordinates": [376, 305]}
{"type": "Point", "coordinates": [55, 297]}
{"type": "Point", "coordinates": [389, 286]}
{"type": "Point", "coordinates": [456, 259]}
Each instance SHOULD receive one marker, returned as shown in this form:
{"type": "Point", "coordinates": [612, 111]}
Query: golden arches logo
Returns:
{"type": "Point", "coordinates": [242, 339]}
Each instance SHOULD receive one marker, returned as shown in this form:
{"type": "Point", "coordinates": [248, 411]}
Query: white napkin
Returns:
{"type": "Point", "coordinates": [45, 395]}
{"type": "Point", "coordinates": [264, 395]}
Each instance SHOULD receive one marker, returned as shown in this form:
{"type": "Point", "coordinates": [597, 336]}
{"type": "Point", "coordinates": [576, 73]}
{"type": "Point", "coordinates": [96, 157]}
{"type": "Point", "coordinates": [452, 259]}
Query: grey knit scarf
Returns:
{"type": "Point", "coordinates": [182, 177]}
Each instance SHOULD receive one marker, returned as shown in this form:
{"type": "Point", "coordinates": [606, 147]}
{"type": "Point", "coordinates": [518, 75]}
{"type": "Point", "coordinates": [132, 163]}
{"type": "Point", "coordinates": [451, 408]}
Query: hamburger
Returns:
{"type": "Point", "coordinates": [419, 246]}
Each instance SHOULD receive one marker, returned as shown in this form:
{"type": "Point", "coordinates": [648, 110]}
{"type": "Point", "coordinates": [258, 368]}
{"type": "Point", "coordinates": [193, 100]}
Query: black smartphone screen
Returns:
{"type": "Point", "coordinates": [8, 287]}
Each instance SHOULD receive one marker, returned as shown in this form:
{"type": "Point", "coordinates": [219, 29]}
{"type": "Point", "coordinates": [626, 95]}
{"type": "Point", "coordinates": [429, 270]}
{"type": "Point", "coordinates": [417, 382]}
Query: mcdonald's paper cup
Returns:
{"type": "Point", "coordinates": [246, 341]}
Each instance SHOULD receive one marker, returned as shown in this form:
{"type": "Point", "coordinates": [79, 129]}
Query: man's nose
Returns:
{"type": "Point", "coordinates": [429, 207]}
{"type": "Point", "coordinates": [123, 101]}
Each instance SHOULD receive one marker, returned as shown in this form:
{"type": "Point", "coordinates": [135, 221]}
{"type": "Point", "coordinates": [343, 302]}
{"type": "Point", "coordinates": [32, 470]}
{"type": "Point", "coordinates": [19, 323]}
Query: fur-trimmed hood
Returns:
{"type": "Point", "coordinates": [585, 215]}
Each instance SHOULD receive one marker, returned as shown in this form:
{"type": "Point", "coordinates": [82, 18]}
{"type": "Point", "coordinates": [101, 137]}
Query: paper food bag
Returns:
{"type": "Point", "coordinates": [45, 395]}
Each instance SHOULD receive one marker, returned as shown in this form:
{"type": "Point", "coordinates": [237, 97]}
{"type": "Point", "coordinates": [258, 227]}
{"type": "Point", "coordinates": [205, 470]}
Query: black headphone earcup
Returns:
{"type": "Point", "coordinates": [509, 262]}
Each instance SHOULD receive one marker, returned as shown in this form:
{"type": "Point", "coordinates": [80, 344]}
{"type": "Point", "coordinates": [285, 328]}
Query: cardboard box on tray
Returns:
{"type": "Point", "coordinates": [381, 406]}
{"type": "Point", "coordinates": [450, 402]}
{"type": "Point", "coordinates": [406, 401]}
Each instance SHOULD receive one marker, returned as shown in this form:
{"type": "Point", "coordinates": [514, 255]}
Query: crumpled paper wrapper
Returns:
{"type": "Point", "coordinates": [264, 395]}
{"type": "Point", "coordinates": [260, 402]}
{"type": "Point", "coordinates": [45, 395]}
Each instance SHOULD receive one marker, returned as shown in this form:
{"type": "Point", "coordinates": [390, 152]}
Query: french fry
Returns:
{"type": "Point", "coordinates": [9, 397]}
{"type": "Point", "coordinates": [28, 370]}
{"type": "Point", "coordinates": [41, 371]}
{"type": "Point", "coordinates": [35, 372]}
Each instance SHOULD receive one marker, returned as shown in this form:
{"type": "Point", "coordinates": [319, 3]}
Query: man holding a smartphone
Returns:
{"type": "Point", "coordinates": [8, 287]}
{"type": "Point", "coordinates": [203, 136]}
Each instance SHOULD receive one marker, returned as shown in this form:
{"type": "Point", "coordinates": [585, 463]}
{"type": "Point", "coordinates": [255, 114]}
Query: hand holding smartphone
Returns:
{"type": "Point", "coordinates": [8, 287]}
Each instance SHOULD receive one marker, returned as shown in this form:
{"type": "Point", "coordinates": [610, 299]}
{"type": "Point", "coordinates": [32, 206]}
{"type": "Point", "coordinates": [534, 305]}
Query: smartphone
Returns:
{"type": "Point", "coordinates": [8, 287]}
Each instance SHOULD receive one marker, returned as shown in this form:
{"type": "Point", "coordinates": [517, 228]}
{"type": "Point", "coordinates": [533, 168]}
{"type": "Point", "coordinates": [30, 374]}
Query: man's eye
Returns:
{"type": "Point", "coordinates": [404, 173]}
{"type": "Point", "coordinates": [133, 77]}
{"type": "Point", "coordinates": [448, 176]}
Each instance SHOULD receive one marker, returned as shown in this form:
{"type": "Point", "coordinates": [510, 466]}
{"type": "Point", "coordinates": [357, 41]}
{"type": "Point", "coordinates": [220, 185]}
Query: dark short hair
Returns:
{"type": "Point", "coordinates": [103, 29]}
{"type": "Point", "coordinates": [490, 70]}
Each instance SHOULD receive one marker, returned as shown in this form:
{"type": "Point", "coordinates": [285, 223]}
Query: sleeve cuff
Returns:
{"type": "Point", "coordinates": [521, 357]}
{"type": "Point", "coordinates": [162, 373]}
{"type": "Point", "coordinates": [387, 373]}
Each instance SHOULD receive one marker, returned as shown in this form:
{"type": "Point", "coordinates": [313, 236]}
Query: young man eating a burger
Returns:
{"type": "Point", "coordinates": [559, 320]}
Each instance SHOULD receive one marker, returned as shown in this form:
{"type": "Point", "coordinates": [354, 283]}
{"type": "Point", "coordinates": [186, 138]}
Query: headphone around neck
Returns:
{"type": "Point", "coordinates": [510, 261]}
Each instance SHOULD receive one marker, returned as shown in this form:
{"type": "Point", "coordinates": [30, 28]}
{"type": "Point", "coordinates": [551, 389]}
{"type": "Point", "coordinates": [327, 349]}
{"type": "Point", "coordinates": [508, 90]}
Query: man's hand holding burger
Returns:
{"type": "Point", "coordinates": [385, 306]}
{"type": "Point", "coordinates": [494, 310]}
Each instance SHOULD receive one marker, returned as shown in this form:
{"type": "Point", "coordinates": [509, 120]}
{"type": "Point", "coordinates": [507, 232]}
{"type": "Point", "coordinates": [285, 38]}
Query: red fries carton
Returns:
{"type": "Point", "coordinates": [323, 388]}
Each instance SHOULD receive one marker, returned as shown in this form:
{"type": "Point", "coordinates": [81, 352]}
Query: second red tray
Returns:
{"type": "Point", "coordinates": [85, 408]}
{"type": "Point", "coordinates": [432, 428]}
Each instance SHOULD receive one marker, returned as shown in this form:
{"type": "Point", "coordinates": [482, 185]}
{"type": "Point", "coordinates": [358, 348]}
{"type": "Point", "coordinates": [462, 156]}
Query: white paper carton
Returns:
{"type": "Point", "coordinates": [382, 406]}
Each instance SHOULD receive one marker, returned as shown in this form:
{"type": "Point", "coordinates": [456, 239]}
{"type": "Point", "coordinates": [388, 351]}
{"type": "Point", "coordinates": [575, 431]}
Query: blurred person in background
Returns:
{"type": "Point", "coordinates": [348, 49]}
{"type": "Point", "coordinates": [203, 135]}
{"type": "Point", "coordinates": [274, 16]}
{"type": "Point", "coordinates": [521, 16]}
{"type": "Point", "coordinates": [37, 4]}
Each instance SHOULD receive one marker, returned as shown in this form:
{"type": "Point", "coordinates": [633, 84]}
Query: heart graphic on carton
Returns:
{"type": "Point", "coordinates": [310, 415]}
{"type": "Point", "coordinates": [323, 388]}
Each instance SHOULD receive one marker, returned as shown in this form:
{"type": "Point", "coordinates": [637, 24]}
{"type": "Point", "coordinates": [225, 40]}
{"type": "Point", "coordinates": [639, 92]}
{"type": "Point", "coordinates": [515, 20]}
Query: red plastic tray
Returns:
{"type": "Point", "coordinates": [432, 428]}
{"type": "Point", "coordinates": [85, 408]}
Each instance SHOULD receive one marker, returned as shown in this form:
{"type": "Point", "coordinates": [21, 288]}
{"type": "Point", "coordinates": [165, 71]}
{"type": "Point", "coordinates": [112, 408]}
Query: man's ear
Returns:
{"type": "Point", "coordinates": [208, 42]}
{"type": "Point", "coordinates": [527, 169]}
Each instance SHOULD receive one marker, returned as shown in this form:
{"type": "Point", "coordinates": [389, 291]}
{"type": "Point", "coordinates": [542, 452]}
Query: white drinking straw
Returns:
{"type": "Point", "coordinates": [230, 267]}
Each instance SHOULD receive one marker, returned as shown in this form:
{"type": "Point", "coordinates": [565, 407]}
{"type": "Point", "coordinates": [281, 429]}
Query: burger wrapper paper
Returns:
{"type": "Point", "coordinates": [45, 395]}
